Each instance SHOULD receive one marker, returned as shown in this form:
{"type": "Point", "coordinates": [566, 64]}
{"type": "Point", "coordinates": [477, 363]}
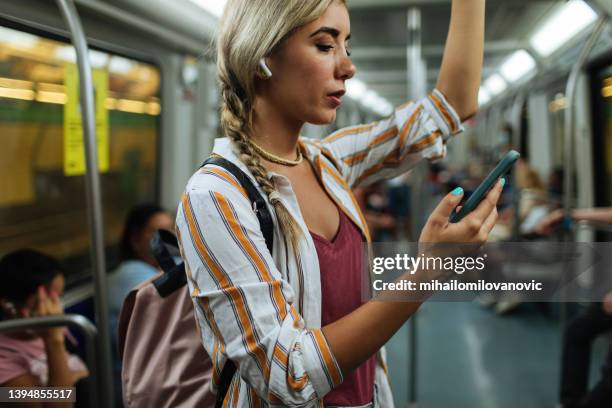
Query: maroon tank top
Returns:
{"type": "Point", "coordinates": [341, 263]}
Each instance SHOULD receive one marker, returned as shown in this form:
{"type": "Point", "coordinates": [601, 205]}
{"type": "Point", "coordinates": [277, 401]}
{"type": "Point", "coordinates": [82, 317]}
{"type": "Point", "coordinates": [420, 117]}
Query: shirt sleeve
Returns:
{"type": "Point", "coordinates": [387, 148]}
{"type": "Point", "coordinates": [244, 308]}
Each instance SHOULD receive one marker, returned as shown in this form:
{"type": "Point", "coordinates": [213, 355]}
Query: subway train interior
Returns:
{"type": "Point", "coordinates": [153, 114]}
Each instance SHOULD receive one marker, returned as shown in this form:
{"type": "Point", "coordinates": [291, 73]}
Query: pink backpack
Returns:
{"type": "Point", "coordinates": [164, 362]}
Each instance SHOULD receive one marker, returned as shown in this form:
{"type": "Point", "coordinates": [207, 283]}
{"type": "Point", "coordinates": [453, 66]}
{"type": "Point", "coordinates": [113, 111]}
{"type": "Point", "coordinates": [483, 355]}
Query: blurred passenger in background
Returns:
{"type": "Point", "coordinates": [579, 336]}
{"type": "Point", "coordinates": [582, 331]}
{"type": "Point", "coordinates": [533, 198]}
{"type": "Point", "coordinates": [30, 285]}
{"type": "Point", "coordinates": [137, 262]}
{"type": "Point", "coordinates": [599, 215]}
{"type": "Point", "coordinates": [374, 202]}
{"type": "Point", "coordinates": [137, 265]}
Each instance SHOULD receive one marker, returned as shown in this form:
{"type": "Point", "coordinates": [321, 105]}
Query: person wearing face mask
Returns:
{"type": "Point", "coordinates": [30, 285]}
{"type": "Point", "coordinates": [289, 321]}
{"type": "Point", "coordinates": [137, 261]}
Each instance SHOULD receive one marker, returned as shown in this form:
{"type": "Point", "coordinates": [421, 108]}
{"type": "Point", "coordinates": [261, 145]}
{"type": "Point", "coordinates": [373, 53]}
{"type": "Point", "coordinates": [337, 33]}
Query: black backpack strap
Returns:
{"type": "Point", "coordinates": [164, 247]}
{"type": "Point", "coordinates": [267, 228]}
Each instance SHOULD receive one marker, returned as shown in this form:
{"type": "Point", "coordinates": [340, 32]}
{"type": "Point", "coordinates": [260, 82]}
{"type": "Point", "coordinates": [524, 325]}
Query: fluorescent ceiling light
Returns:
{"type": "Point", "coordinates": [120, 65]}
{"type": "Point", "coordinates": [370, 98]}
{"type": "Point", "coordinates": [214, 7]}
{"type": "Point", "coordinates": [386, 108]}
{"type": "Point", "coordinates": [358, 90]}
{"type": "Point", "coordinates": [568, 21]}
{"type": "Point", "coordinates": [67, 53]}
{"type": "Point", "coordinates": [17, 39]}
{"type": "Point", "coordinates": [355, 88]}
{"type": "Point", "coordinates": [518, 65]}
{"type": "Point", "coordinates": [98, 59]}
{"type": "Point", "coordinates": [483, 96]}
{"type": "Point", "coordinates": [495, 84]}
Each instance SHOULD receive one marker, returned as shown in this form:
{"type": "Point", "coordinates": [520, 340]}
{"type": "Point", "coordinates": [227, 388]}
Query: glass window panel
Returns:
{"type": "Point", "coordinates": [40, 206]}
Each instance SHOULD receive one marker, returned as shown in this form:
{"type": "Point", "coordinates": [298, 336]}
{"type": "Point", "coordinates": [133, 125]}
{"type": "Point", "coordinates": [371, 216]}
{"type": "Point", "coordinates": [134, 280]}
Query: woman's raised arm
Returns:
{"type": "Point", "coordinates": [461, 69]}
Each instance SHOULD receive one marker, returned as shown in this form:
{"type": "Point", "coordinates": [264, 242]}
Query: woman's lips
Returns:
{"type": "Point", "coordinates": [335, 100]}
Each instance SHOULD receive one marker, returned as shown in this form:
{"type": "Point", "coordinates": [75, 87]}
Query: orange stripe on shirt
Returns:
{"type": "Point", "coordinates": [205, 303]}
{"type": "Point", "coordinates": [378, 140]}
{"type": "Point", "coordinates": [393, 160]}
{"type": "Point", "coordinates": [444, 112]}
{"type": "Point", "coordinates": [254, 398]}
{"type": "Point", "coordinates": [408, 125]}
{"type": "Point", "coordinates": [250, 249]}
{"type": "Point", "coordinates": [236, 392]}
{"type": "Point", "coordinates": [225, 176]}
{"type": "Point", "coordinates": [349, 131]}
{"type": "Point", "coordinates": [363, 226]}
{"type": "Point", "coordinates": [196, 237]}
{"type": "Point", "coordinates": [425, 142]}
{"type": "Point", "coordinates": [248, 330]}
{"type": "Point", "coordinates": [237, 299]}
{"type": "Point", "coordinates": [296, 384]}
{"type": "Point", "coordinates": [388, 159]}
{"type": "Point", "coordinates": [328, 358]}
{"type": "Point", "coordinates": [296, 317]}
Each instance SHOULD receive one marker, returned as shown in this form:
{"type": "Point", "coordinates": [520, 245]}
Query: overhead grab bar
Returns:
{"type": "Point", "coordinates": [94, 200]}
{"type": "Point", "coordinates": [72, 320]}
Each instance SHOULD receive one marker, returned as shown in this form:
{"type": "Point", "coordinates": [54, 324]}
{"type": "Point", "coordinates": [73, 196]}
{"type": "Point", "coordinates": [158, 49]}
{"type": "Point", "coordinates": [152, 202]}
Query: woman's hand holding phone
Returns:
{"type": "Point", "coordinates": [473, 228]}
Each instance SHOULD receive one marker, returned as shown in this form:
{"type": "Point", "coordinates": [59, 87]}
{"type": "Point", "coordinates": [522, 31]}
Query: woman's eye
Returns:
{"type": "Point", "coordinates": [325, 47]}
{"type": "Point", "coordinates": [348, 52]}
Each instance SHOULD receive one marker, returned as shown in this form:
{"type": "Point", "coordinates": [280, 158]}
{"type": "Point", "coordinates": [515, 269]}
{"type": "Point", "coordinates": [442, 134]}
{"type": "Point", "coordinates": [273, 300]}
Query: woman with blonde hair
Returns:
{"type": "Point", "coordinates": [292, 320]}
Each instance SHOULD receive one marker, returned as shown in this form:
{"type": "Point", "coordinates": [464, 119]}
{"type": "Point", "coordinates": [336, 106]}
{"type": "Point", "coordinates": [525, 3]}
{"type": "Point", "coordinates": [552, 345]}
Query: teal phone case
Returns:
{"type": "Point", "coordinates": [501, 169]}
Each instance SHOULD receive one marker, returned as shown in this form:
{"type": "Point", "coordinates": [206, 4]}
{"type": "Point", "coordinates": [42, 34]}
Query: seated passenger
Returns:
{"type": "Point", "coordinates": [137, 265]}
{"type": "Point", "coordinates": [576, 358]}
{"type": "Point", "coordinates": [580, 333]}
{"type": "Point", "coordinates": [30, 285]}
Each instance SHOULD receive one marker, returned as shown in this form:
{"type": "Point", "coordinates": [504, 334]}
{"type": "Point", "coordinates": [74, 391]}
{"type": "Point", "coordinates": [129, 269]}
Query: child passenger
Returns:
{"type": "Point", "coordinates": [30, 285]}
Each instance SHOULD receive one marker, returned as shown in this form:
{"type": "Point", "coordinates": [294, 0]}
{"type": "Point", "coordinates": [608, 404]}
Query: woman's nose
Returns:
{"type": "Point", "coordinates": [346, 68]}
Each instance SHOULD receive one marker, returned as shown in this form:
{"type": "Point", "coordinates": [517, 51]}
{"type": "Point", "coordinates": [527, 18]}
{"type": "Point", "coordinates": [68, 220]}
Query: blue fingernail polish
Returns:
{"type": "Point", "coordinates": [503, 181]}
{"type": "Point", "coordinates": [457, 192]}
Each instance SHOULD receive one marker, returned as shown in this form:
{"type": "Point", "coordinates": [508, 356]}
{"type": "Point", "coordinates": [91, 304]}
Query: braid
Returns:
{"type": "Point", "coordinates": [236, 123]}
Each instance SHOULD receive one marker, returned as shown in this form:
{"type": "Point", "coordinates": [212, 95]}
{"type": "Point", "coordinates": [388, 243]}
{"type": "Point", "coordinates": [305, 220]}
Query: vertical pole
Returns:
{"type": "Point", "coordinates": [417, 82]}
{"type": "Point", "coordinates": [94, 201]}
{"type": "Point", "coordinates": [568, 150]}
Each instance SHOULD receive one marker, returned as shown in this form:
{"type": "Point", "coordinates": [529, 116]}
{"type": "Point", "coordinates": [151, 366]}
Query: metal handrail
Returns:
{"type": "Point", "coordinates": [72, 320]}
{"type": "Point", "coordinates": [94, 199]}
{"type": "Point", "coordinates": [597, 226]}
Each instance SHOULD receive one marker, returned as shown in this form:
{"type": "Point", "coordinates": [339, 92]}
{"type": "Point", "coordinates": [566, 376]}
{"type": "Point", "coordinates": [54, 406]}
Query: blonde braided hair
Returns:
{"type": "Point", "coordinates": [248, 31]}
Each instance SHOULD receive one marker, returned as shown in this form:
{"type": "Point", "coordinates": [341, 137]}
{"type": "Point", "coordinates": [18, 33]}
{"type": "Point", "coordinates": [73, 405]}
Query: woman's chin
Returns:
{"type": "Point", "coordinates": [323, 118]}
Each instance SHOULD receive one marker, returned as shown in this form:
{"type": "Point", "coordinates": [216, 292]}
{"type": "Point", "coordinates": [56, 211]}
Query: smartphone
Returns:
{"type": "Point", "coordinates": [477, 196]}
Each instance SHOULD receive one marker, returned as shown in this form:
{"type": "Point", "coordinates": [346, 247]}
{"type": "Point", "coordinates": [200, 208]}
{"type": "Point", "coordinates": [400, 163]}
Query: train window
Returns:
{"type": "Point", "coordinates": [42, 200]}
{"type": "Point", "coordinates": [602, 134]}
{"type": "Point", "coordinates": [556, 107]}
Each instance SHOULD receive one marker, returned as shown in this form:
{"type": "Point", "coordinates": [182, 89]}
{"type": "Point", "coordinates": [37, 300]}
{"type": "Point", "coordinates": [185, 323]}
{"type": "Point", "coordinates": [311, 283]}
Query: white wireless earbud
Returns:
{"type": "Point", "coordinates": [264, 68]}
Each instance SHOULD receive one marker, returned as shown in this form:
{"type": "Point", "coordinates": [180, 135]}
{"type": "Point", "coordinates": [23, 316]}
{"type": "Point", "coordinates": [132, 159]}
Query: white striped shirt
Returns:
{"type": "Point", "coordinates": [263, 310]}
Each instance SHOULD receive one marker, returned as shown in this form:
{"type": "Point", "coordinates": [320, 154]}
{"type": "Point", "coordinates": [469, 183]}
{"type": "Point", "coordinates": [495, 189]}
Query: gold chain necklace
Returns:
{"type": "Point", "coordinates": [274, 158]}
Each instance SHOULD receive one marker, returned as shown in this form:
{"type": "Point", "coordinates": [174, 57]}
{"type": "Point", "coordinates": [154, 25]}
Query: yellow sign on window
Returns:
{"type": "Point", "coordinates": [74, 153]}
